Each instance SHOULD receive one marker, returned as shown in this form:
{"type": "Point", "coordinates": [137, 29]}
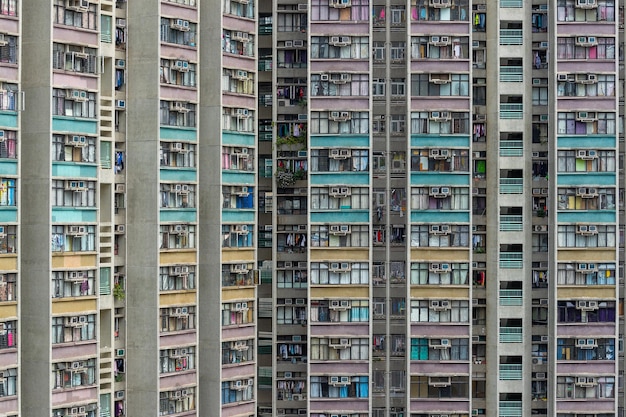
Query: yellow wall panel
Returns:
{"type": "Point", "coordinates": [339, 254]}
{"type": "Point", "coordinates": [74, 261]}
{"type": "Point", "coordinates": [586, 255]}
{"type": "Point", "coordinates": [8, 310]}
{"type": "Point", "coordinates": [439, 292]}
{"type": "Point", "coordinates": [73, 306]}
{"type": "Point", "coordinates": [188, 257]}
{"type": "Point", "coordinates": [339, 292]}
{"type": "Point", "coordinates": [8, 263]}
{"type": "Point", "coordinates": [585, 292]}
{"type": "Point", "coordinates": [237, 255]}
{"type": "Point", "coordinates": [179, 298]}
{"type": "Point", "coordinates": [235, 293]}
{"type": "Point", "coordinates": [439, 254]}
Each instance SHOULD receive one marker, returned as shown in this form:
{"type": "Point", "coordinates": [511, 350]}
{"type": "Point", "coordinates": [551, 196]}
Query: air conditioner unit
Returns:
{"type": "Point", "coordinates": [561, 76]}
{"type": "Point", "coordinates": [439, 153]}
{"type": "Point", "coordinates": [339, 191]}
{"type": "Point", "coordinates": [439, 381]}
{"type": "Point", "coordinates": [303, 6]}
{"type": "Point", "coordinates": [76, 230]}
{"type": "Point", "coordinates": [339, 116]}
{"type": "Point", "coordinates": [288, 44]}
{"type": "Point", "coordinates": [439, 343]}
{"type": "Point", "coordinates": [243, 113]}
{"type": "Point", "coordinates": [439, 305]}
{"type": "Point", "coordinates": [585, 229]}
{"type": "Point", "coordinates": [339, 230]}
{"type": "Point", "coordinates": [337, 305]}
{"type": "Point", "coordinates": [179, 107]}
{"type": "Point", "coordinates": [587, 305]}
{"type": "Point", "coordinates": [77, 95]}
{"type": "Point", "coordinates": [339, 4]}
{"type": "Point", "coordinates": [179, 229]}
{"type": "Point", "coordinates": [239, 345]}
{"type": "Point", "coordinates": [439, 267]}
{"type": "Point", "coordinates": [475, 44]}
{"type": "Point", "coordinates": [241, 75]}
{"type": "Point", "coordinates": [586, 4]}
{"type": "Point", "coordinates": [586, 40]}
{"type": "Point", "coordinates": [180, 24]}
{"type": "Point", "coordinates": [120, 104]}
{"type": "Point", "coordinates": [537, 361]}
{"type": "Point", "coordinates": [439, 192]}
{"type": "Point", "coordinates": [239, 268]}
{"type": "Point", "coordinates": [298, 43]}
{"type": "Point", "coordinates": [181, 66]}
{"type": "Point", "coordinates": [342, 343]}
{"type": "Point", "coordinates": [588, 381]}
{"type": "Point", "coordinates": [338, 153]}
{"type": "Point", "coordinates": [545, 338]}
{"type": "Point", "coordinates": [587, 192]}
{"type": "Point", "coordinates": [439, 229]}
{"type": "Point", "coordinates": [586, 78]}
{"type": "Point", "coordinates": [75, 276]}
{"type": "Point", "coordinates": [241, 191]}
{"type": "Point", "coordinates": [300, 301]}
{"type": "Point", "coordinates": [339, 267]}
{"type": "Point", "coordinates": [120, 228]}
{"type": "Point", "coordinates": [339, 40]}
{"type": "Point", "coordinates": [240, 229]}
{"type": "Point", "coordinates": [339, 380]}
{"type": "Point", "coordinates": [439, 78]}
{"type": "Point", "coordinates": [540, 228]}
{"type": "Point", "coordinates": [75, 185]}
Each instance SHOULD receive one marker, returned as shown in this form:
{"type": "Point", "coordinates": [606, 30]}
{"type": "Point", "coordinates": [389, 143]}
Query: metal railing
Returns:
{"type": "Point", "coordinates": [511, 223]}
{"type": "Point", "coordinates": [510, 409]}
{"type": "Point", "coordinates": [511, 74]}
{"type": "Point", "coordinates": [511, 111]}
{"type": "Point", "coordinates": [511, 335]}
{"type": "Point", "coordinates": [511, 260]}
{"type": "Point", "coordinates": [511, 185]}
{"type": "Point", "coordinates": [511, 297]}
{"type": "Point", "coordinates": [511, 148]}
{"type": "Point", "coordinates": [511, 37]}
{"type": "Point", "coordinates": [510, 372]}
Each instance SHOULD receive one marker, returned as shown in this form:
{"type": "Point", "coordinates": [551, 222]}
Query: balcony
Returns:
{"type": "Point", "coordinates": [511, 335]}
{"type": "Point", "coordinates": [511, 185]}
{"type": "Point", "coordinates": [511, 4]}
{"type": "Point", "coordinates": [511, 223]}
{"type": "Point", "coordinates": [511, 37]}
{"type": "Point", "coordinates": [511, 111]}
{"type": "Point", "coordinates": [510, 372]}
{"type": "Point", "coordinates": [511, 148]}
{"type": "Point", "coordinates": [511, 297]}
{"type": "Point", "coordinates": [511, 260]}
{"type": "Point", "coordinates": [510, 409]}
{"type": "Point", "coordinates": [511, 74]}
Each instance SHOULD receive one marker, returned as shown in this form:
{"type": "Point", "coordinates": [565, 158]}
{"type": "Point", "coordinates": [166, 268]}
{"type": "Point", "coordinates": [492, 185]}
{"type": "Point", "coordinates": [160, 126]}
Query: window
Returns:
{"type": "Point", "coordinates": [397, 52]}
{"type": "Point", "coordinates": [425, 47]}
{"type": "Point", "coordinates": [74, 374]}
{"type": "Point", "coordinates": [90, 410]}
{"type": "Point", "coordinates": [584, 160]}
{"type": "Point", "coordinates": [340, 84]}
{"type": "Point", "coordinates": [439, 387]}
{"type": "Point", "coordinates": [174, 319]}
{"type": "Point", "coordinates": [71, 103]}
{"type": "Point", "coordinates": [435, 274]}
{"type": "Point", "coordinates": [586, 123]}
{"type": "Point", "coordinates": [572, 274]}
{"type": "Point", "coordinates": [237, 81]}
{"type": "Point", "coordinates": [72, 238]}
{"type": "Point", "coordinates": [178, 113]}
{"type": "Point", "coordinates": [340, 235]}
{"type": "Point", "coordinates": [237, 351]}
{"type": "Point", "coordinates": [73, 283]}
{"type": "Point", "coordinates": [435, 235]}
{"type": "Point", "coordinates": [434, 85]}
{"type": "Point", "coordinates": [339, 387]}
{"type": "Point", "coordinates": [238, 119]}
{"type": "Point", "coordinates": [178, 72]}
{"type": "Point", "coordinates": [8, 334]}
{"type": "Point", "coordinates": [178, 154]}
{"type": "Point", "coordinates": [586, 312]}
{"type": "Point", "coordinates": [440, 198]}
{"type": "Point", "coordinates": [340, 47]}
{"type": "Point", "coordinates": [177, 359]}
{"type": "Point", "coordinates": [426, 11]}
{"type": "Point", "coordinates": [233, 7]}
{"type": "Point", "coordinates": [240, 197]}
{"type": "Point", "coordinates": [586, 198]}
{"type": "Point", "coordinates": [586, 85]}
{"type": "Point", "coordinates": [573, 387]}
{"type": "Point", "coordinates": [238, 43]}
{"type": "Point", "coordinates": [178, 236]}
{"type": "Point", "coordinates": [177, 278]}
{"type": "Point", "coordinates": [585, 48]}
{"type": "Point", "coordinates": [358, 10]}
{"type": "Point", "coordinates": [237, 391]}
{"type": "Point", "coordinates": [178, 31]}
{"type": "Point", "coordinates": [237, 235]}
{"type": "Point", "coordinates": [586, 236]}
{"type": "Point", "coordinates": [178, 401]}
{"type": "Point", "coordinates": [66, 329]}
{"type": "Point", "coordinates": [540, 96]}
{"type": "Point", "coordinates": [379, 51]}
{"type": "Point", "coordinates": [8, 238]}
{"type": "Point", "coordinates": [566, 11]}
{"type": "Point", "coordinates": [238, 275]}
{"type": "Point", "coordinates": [325, 123]}
{"type": "Point", "coordinates": [63, 15]}
{"type": "Point", "coordinates": [334, 311]}
{"type": "Point", "coordinates": [339, 160]}
{"type": "Point", "coordinates": [239, 313]}
{"type": "Point", "coordinates": [74, 58]}
{"type": "Point", "coordinates": [439, 349]}
{"type": "Point", "coordinates": [73, 193]}
{"type": "Point", "coordinates": [439, 122]}
{"type": "Point", "coordinates": [440, 311]}
{"type": "Point", "coordinates": [8, 383]}
{"type": "Point", "coordinates": [289, 21]}
{"type": "Point", "coordinates": [8, 147]}
{"type": "Point", "coordinates": [339, 273]}
{"type": "Point", "coordinates": [339, 349]}
{"type": "Point", "coordinates": [291, 278]}
{"type": "Point", "coordinates": [585, 349]}
{"type": "Point", "coordinates": [178, 195]}
{"type": "Point", "coordinates": [238, 158]}
{"type": "Point", "coordinates": [71, 148]}
{"type": "Point", "coordinates": [289, 313]}
{"type": "Point", "coordinates": [336, 198]}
